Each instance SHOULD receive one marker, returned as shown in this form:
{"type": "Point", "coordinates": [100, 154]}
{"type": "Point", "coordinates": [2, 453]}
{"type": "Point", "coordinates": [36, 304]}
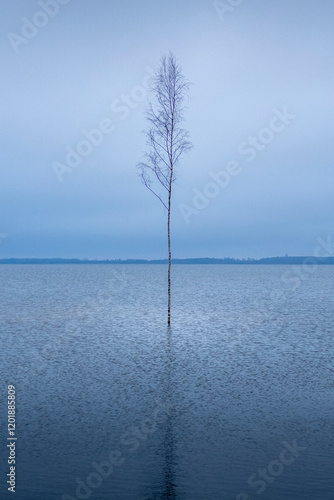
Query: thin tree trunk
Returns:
{"type": "Point", "coordinates": [169, 209]}
{"type": "Point", "coordinates": [167, 141]}
{"type": "Point", "coordinates": [169, 257]}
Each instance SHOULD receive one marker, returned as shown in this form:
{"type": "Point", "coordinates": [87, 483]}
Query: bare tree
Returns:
{"type": "Point", "coordinates": [166, 140]}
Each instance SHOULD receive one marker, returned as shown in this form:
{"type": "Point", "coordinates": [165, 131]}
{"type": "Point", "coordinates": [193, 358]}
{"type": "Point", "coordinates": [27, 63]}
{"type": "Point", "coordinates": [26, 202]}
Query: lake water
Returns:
{"type": "Point", "coordinates": [234, 401]}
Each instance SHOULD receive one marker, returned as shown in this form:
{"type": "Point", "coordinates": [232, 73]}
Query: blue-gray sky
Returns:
{"type": "Point", "coordinates": [262, 71]}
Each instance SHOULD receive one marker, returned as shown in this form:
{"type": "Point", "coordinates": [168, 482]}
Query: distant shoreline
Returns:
{"type": "Point", "coordinates": [298, 260]}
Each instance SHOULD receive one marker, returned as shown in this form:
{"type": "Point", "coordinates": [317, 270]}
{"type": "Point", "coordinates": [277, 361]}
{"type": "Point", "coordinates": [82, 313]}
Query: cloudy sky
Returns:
{"type": "Point", "coordinates": [259, 181]}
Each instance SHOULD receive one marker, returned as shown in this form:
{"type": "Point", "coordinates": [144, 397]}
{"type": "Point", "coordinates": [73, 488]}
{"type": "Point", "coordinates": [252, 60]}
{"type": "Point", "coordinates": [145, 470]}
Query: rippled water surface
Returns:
{"type": "Point", "coordinates": [234, 401]}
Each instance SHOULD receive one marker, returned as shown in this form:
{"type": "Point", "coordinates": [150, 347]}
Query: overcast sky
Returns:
{"type": "Point", "coordinates": [259, 181]}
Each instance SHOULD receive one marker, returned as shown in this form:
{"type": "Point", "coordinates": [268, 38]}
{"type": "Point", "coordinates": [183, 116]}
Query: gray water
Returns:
{"type": "Point", "coordinates": [196, 412]}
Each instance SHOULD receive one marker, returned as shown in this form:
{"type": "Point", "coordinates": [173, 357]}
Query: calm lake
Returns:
{"type": "Point", "coordinates": [234, 401]}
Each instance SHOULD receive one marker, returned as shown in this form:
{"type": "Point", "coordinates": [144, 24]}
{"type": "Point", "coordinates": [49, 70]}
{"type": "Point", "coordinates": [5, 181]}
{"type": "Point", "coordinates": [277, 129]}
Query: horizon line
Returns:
{"type": "Point", "coordinates": [286, 259]}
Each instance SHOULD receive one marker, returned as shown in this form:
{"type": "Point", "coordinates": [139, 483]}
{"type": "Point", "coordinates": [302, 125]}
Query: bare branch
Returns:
{"type": "Point", "coordinates": [147, 181]}
{"type": "Point", "coordinates": [167, 142]}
